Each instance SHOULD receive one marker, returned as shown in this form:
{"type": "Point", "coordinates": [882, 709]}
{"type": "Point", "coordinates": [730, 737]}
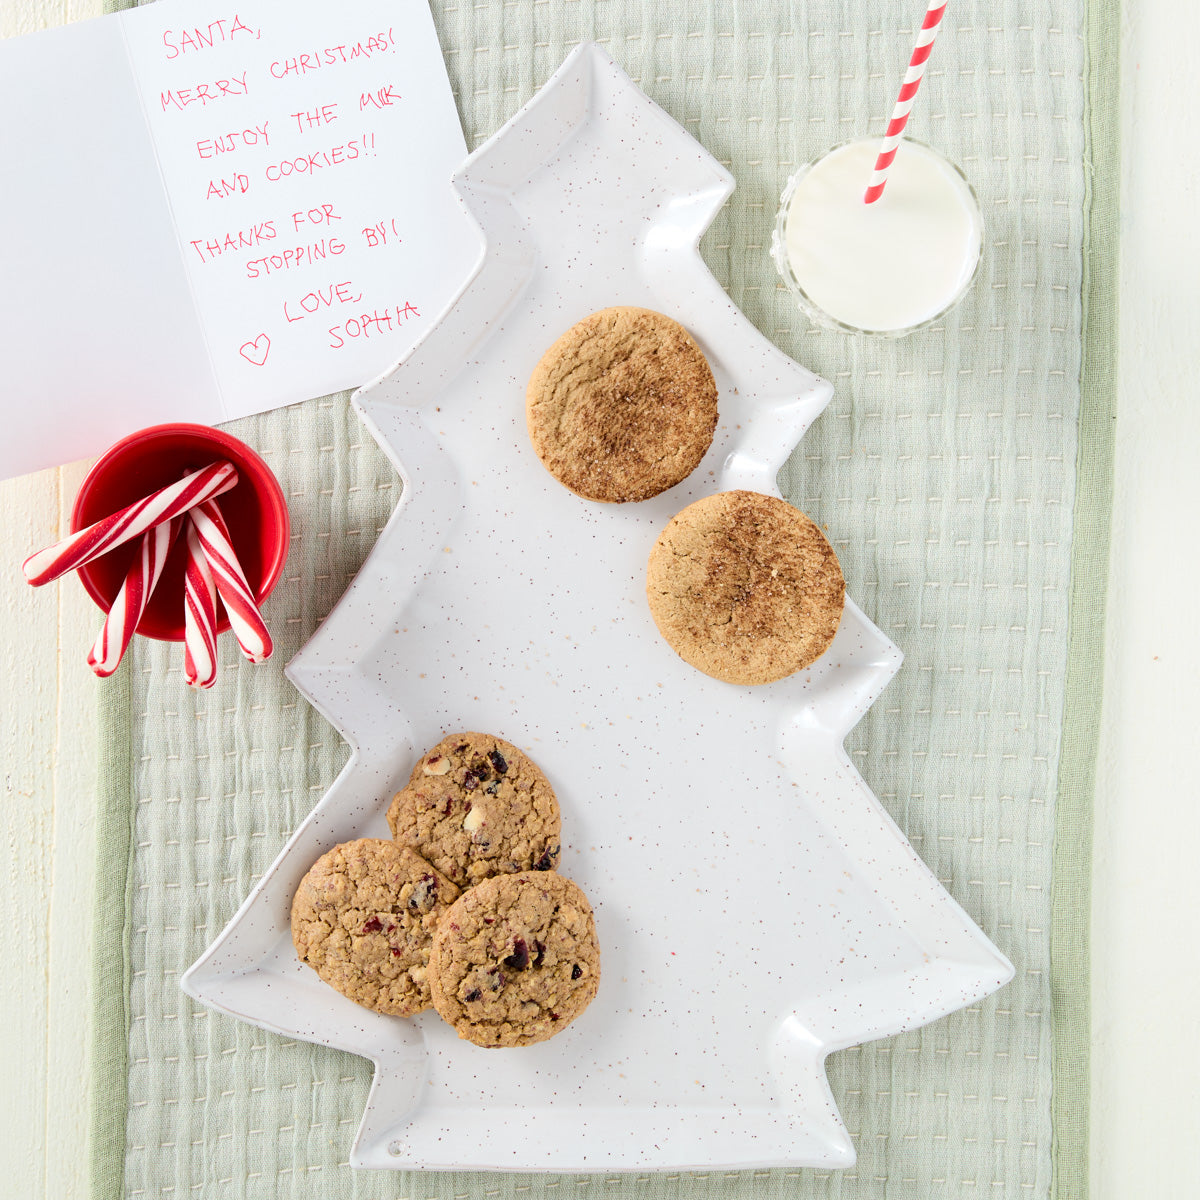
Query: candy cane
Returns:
{"type": "Point", "coordinates": [130, 603]}
{"type": "Point", "coordinates": [248, 625]}
{"type": "Point", "coordinates": [81, 547]}
{"type": "Point", "coordinates": [904, 102]}
{"type": "Point", "coordinates": [199, 616]}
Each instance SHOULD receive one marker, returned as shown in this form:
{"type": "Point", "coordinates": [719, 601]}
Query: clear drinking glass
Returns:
{"type": "Point", "coordinates": [887, 268]}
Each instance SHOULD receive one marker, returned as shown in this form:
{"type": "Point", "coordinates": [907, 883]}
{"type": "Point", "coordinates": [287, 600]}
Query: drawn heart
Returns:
{"type": "Point", "coordinates": [256, 351]}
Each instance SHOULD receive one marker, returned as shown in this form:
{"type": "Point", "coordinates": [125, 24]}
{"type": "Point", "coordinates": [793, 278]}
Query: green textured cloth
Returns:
{"type": "Point", "coordinates": [963, 474]}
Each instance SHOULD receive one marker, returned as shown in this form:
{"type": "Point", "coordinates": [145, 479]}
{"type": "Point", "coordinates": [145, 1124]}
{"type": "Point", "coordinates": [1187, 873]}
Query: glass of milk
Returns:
{"type": "Point", "coordinates": [886, 268]}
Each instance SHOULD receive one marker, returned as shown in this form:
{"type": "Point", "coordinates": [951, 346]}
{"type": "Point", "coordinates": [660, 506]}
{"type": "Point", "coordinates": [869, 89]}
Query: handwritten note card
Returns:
{"type": "Point", "coordinates": [212, 213]}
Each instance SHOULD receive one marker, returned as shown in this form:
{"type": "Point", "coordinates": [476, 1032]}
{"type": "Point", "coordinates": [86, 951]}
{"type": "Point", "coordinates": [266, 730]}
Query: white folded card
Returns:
{"type": "Point", "coordinates": [213, 212]}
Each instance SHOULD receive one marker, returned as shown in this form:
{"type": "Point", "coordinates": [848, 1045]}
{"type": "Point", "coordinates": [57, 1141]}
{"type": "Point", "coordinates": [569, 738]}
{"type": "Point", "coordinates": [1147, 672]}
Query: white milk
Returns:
{"type": "Point", "coordinates": [886, 266]}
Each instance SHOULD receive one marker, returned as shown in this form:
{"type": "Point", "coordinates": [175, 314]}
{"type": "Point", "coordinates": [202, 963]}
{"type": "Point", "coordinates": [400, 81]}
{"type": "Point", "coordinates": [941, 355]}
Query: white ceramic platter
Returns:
{"type": "Point", "coordinates": [756, 906]}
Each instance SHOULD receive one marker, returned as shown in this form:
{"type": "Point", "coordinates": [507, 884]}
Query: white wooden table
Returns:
{"type": "Point", "coordinates": [1146, 970]}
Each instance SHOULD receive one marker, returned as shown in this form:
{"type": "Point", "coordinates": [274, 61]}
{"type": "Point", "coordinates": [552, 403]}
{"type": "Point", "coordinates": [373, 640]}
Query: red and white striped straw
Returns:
{"type": "Point", "coordinates": [904, 102]}
{"type": "Point", "coordinates": [82, 546]}
{"type": "Point", "coordinates": [244, 617]}
{"type": "Point", "coordinates": [199, 617]}
{"type": "Point", "coordinates": [126, 610]}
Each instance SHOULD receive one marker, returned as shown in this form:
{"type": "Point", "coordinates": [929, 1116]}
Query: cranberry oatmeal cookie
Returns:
{"type": "Point", "coordinates": [515, 959]}
{"type": "Point", "coordinates": [476, 806]}
{"type": "Point", "coordinates": [363, 919]}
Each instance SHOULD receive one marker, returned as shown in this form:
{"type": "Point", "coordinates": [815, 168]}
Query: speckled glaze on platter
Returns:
{"type": "Point", "coordinates": [497, 600]}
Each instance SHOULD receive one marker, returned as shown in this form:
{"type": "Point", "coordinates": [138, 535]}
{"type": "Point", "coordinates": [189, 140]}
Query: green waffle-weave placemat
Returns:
{"type": "Point", "coordinates": [964, 476]}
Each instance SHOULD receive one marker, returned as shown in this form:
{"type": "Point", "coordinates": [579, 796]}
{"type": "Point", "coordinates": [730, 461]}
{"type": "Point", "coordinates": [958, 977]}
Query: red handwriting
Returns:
{"type": "Point", "coordinates": [330, 56]}
{"type": "Point", "coordinates": [256, 352]}
{"type": "Point", "coordinates": [204, 93]}
{"type": "Point", "coordinates": [377, 235]}
{"type": "Point", "coordinates": [294, 256]}
{"type": "Point", "coordinates": [204, 37]}
{"type": "Point", "coordinates": [368, 324]}
{"type": "Point", "coordinates": [310, 164]}
{"type": "Point", "coordinates": [226, 142]}
{"type": "Point", "coordinates": [220, 189]}
{"type": "Point", "coordinates": [324, 115]}
{"type": "Point", "coordinates": [319, 298]}
{"type": "Point", "coordinates": [238, 239]}
{"type": "Point", "coordinates": [382, 97]}
{"type": "Point", "coordinates": [315, 216]}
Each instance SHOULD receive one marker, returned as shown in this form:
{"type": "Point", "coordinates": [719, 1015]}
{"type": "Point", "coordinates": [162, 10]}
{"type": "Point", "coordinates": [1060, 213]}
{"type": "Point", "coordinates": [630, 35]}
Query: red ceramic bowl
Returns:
{"type": "Point", "coordinates": [254, 509]}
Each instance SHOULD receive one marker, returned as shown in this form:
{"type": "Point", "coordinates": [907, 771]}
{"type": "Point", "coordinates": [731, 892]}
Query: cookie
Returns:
{"type": "Point", "coordinates": [515, 960]}
{"type": "Point", "coordinates": [622, 406]}
{"type": "Point", "coordinates": [745, 588]}
{"type": "Point", "coordinates": [476, 806]}
{"type": "Point", "coordinates": [363, 919]}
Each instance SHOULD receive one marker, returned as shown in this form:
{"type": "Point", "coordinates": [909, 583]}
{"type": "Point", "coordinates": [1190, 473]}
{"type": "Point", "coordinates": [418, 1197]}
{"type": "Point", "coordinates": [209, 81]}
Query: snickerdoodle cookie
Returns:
{"type": "Point", "coordinates": [745, 587]}
{"type": "Point", "coordinates": [622, 406]}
